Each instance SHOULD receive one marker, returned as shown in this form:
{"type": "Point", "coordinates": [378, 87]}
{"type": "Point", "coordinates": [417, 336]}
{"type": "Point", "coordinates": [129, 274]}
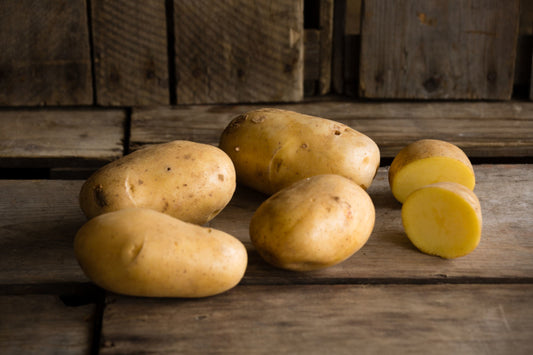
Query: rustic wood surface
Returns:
{"type": "Point", "coordinates": [130, 51]}
{"type": "Point", "coordinates": [483, 129]}
{"type": "Point", "coordinates": [326, 43]}
{"type": "Point", "coordinates": [45, 57]}
{"type": "Point", "coordinates": [386, 298]}
{"type": "Point", "coordinates": [428, 50]}
{"type": "Point", "coordinates": [44, 324]}
{"type": "Point", "coordinates": [335, 319]}
{"type": "Point", "coordinates": [238, 51]}
{"type": "Point", "coordinates": [39, 219]}
{"type": "Point", "coordinates": [60, 137]}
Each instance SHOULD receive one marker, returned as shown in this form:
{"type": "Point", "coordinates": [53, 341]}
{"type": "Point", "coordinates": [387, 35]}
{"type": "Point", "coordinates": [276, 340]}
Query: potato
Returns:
{"type": "Point", "coordinates": [313, 224]}
{"type": "Point", "coordinates": [187, 180]}
{"type": "Point", "coordinates": [273, 148]}
{"type": "Point", "coordinates": [443, 219]}
{"type": "Point", "coordinates": [428, 161]}
{"type": "Point", "coordinates": [142, 252]}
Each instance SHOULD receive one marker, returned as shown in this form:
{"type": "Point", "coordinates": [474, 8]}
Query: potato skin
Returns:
{"type": "Point", "coordinates": [425, 149]}
{"type": "Point", "coordinates": [187, 180]}
{"type": "Point", "coordinates": [315, 223]}
{"type": "Point", "coordinates": [273, 148]}
{"type": "Point", "coordinates": [142, 252]}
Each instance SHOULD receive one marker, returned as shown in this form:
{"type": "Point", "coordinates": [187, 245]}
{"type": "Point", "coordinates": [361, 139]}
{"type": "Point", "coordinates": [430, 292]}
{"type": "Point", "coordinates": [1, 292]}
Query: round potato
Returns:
{"type": "Point", "coordinates": [142, 252]}
{"type": "Point", "coordinates": [428, 161]}
{"type": "Point", "coordinates": [187, 180]}
{"type": "Point", "coordinates": [272, 149]}
{"type": "Point", "coordinates": [313, 224]}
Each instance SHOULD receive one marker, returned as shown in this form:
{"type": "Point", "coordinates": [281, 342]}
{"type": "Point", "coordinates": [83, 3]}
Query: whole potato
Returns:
{"type": "Point", "coordinates": [187, 180]}
{"type": "Point", "coordinates": [273, 148]}
{"type": "Point", "coordinates": [142, 252]}
{"type": "Point", "coordinates": [314, 223]}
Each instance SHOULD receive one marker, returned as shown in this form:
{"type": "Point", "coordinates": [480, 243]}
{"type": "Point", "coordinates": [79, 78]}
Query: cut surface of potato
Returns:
{"type": "Point", "coordinates": [443, 219]}
{"type": "Point", "coordinates": [426, 162]}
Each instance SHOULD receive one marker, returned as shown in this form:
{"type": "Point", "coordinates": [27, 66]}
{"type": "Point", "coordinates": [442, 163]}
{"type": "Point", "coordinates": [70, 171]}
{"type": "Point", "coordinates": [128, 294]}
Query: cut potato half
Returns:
{"type": "Point", "coordinates": [443, 219]}
{"type": "Point", "coordinates": [428, 161]}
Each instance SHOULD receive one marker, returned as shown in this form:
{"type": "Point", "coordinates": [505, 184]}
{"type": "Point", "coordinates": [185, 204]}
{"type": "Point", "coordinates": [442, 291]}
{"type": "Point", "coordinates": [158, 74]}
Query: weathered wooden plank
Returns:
{"type": "Point", "coordinates": [438, 49]}
{"type": "Point", "coordinates": [335, 319]}
{"type": "Point", "coordinates": [38, 221]}
{"type": "Point", "coordinates": [130, 52]}
{"type": "Point", "coordinates": [45, 58]}
{"type": "Point", "coordinates": [505, 251]}
{"type": "Point", "coordinates": [238, 51]}
{"type": "Point", "coordinates": [60, 138]}
{"type": "Point", "coordinates": [346, 45]}
{"type": "Point", "coordinates": [482, 129]}
{"type": "Point", "coordinates": [311, 61]}
{"type": "Point", "coordinates": [43, 324]}
{"type": "Point", "coordinates": [326, 43]}
{"type": "Point", "coordinates": [526, 17]}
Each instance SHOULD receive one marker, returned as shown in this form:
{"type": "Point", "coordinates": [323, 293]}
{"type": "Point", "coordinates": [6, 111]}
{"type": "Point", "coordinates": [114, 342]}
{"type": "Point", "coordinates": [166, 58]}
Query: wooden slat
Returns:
{"type": "Point", "coordinates": [43, 324]}
{"type": "Point", "coordinates": [130, 50]}
{"type": "Point", "coordinates": [502, 129]}
{"type": "Point", "coordinates": [505, 251]}
{"type": "Point", "coordinates": [438, 49]}
{"type": "Point", "coordinates": [311, 61]}
{"type": "Point", "coordinates": [526, 17]}
{"type": "Point", "coordinates": [38, 222]}
{"type": "Point", "coordinates": [45, 57]}
{"type": "Point", "coordinates": [328, 319]}
{"type": "Point", "coordinates": [60, 138]}
{"type": "Point", "coordinates": [346, 47]}
{"type": "Point", "coordinates": [326, 43]}
{"type": "Point", "coordinates": [238, 51]}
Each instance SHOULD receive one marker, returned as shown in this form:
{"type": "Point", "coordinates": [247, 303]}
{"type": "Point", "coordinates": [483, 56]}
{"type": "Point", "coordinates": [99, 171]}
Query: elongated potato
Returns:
{"type": "Point", "coordinates": [428, 161]}
{"type": "Point", "coordinates": [313, 224]}
{"type": "Point", "coordinates": [142, 252]}
{"type": "Point", "coordinates": [187, 180]}
{"type": "Point", "coordinates": [443, 219]}
{"type": "Point", "coordinates": [273, 148]}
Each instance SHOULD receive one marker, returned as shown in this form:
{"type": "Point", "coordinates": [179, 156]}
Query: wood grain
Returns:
{"type": "Point", "coordinates": [60, 138]}
{"type": "Point", "coordinates": [43, 324]}
{"type": "Point", "coordinates": [326, 43]}
{"type": "Point", "coordinates": [238, 51]}
{"type": "Point", "coordinates": [38, 220]}
{"type": "Point", "coordinates": [419, 49]}
{"type": "Point", "coordinates": [45, 58]}
{"type": "Point", "coordinates": [484, 129]}
{"type": "Point", "coordinates": [336, 319]}
{"type": "Point", "coordinates": [130, 52]}
{"type": "Point", "coordinates": [505, 251]}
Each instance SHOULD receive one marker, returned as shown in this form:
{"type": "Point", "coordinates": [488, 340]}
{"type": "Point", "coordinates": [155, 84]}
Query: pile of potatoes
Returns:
{"type": "Point", "coordinates": [145, 234]}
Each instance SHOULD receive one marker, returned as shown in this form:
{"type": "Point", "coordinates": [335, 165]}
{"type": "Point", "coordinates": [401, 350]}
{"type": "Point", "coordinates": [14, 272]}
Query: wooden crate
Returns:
{"type": "Point", "coordinates": [420, 49]}
{"type": "Point", "coordinates": [45, 54]}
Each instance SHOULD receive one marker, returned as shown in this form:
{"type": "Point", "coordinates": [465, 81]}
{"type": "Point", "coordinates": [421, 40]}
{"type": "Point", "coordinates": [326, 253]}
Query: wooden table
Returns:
{"type": "Point", "coordinates": [388, 298]}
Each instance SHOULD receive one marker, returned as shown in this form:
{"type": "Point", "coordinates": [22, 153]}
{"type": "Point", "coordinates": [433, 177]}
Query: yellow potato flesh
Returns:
{"type": "Point", "coordinates": [443, 219]}
{"type": "Point", "coordinates": [142, 252]}
{"type": "Point", "coordinates": [429, 171]}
